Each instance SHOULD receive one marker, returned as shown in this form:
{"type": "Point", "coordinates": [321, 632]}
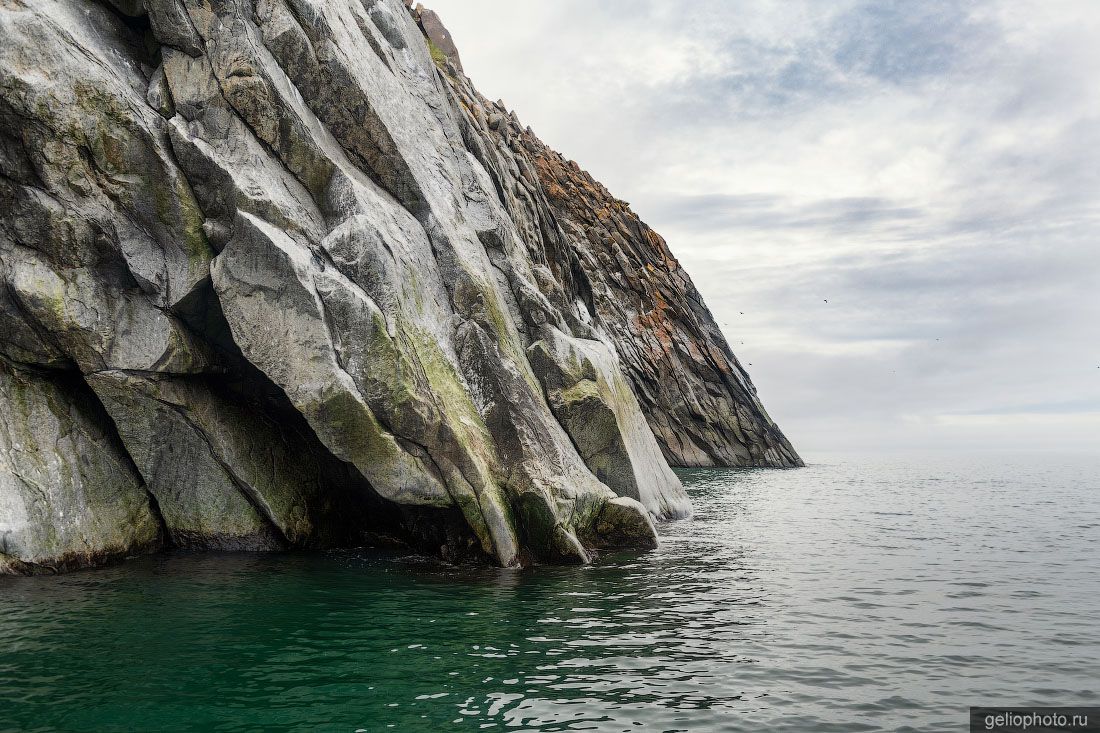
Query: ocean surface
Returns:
{"type": "Point", "coordinates": [858, 594]}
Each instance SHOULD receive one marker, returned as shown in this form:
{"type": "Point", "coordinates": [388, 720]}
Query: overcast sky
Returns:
{"type": "Point", "coordinates": [930, 169]}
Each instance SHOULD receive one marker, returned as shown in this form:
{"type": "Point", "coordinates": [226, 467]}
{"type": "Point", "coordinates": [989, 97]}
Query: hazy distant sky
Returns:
{"type": "Point", "coordinates": [931, 169]}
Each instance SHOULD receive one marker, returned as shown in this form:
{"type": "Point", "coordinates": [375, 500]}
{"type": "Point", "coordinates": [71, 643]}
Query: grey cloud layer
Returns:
{"type": "Point", "coordinates": [932, 169]}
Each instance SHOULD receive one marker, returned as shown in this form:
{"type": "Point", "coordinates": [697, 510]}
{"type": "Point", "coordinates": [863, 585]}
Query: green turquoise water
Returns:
{"type": "Point", "coordinates": [851, 595]}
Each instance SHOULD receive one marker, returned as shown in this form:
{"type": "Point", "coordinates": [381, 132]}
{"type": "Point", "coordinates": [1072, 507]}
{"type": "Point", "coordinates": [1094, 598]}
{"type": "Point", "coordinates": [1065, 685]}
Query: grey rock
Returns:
{"type": "Point", "coordinates": [621, 524]}
{"type": "Point", "coordinates": [594, 403]}
{"type": "Point", "coordinates": [289, 281]}
{"type": "Point", "coordinates": [172, 26]}
{"type": "Point", "coordinates": [159, 97]}
{"type": "Point", "coordinates": [207, 465]}
{"type": "Point", "coordinates": [438, 35]}
{"type": "Point", "coordinates": [69, 495]}
{"type": "Point", "coordinates": [131, 8]}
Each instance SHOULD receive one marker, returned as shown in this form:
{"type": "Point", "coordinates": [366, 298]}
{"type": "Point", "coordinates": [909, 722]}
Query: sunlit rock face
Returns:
{"type": "Point", "coordinates": [276, 276]}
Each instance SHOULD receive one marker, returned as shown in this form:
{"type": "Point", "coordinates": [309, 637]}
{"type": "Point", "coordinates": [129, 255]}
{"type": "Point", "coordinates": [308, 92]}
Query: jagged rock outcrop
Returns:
{"type": "Point", "coordinates": [274, 276]}
{"type": "Point", "coordinates": [698, 399]}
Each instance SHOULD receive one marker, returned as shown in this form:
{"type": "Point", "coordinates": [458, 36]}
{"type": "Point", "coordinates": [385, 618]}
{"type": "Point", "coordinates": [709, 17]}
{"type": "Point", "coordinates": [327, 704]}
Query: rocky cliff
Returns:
{"type": "Point", "coordinates": [275, 276]}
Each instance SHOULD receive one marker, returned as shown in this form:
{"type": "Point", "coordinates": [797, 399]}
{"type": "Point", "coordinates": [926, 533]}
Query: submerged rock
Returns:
{"type": "Point", "coordinates": [276, 276]}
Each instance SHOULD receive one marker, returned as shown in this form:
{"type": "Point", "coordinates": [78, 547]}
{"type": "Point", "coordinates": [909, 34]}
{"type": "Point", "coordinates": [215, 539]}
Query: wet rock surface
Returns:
{"type": "Point", "coordinates": [275, 276]}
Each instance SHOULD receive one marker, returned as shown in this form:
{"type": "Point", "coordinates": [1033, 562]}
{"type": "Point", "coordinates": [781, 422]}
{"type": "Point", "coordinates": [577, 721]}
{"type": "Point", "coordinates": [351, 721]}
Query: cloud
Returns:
{"type": "Point", "coordinates": [902, 42]}
{"type": "Point", "coordinates": [846, 215]}
{"type": "Point", "coordinates": [931, 169]}
{"type": "Point", "coordinates": [1069, 407]}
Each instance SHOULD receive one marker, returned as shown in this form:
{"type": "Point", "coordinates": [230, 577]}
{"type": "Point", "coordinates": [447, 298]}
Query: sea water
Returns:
{"type": "Point", "coordinates": [857, 594]}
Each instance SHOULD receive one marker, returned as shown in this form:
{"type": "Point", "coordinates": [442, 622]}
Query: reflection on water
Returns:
{"type": "Point", "coordinates": [851, 595]}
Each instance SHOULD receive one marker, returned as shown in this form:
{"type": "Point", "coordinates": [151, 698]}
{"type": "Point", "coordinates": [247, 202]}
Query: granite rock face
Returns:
{"type": "Point", "coordinates": [275, 276]}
